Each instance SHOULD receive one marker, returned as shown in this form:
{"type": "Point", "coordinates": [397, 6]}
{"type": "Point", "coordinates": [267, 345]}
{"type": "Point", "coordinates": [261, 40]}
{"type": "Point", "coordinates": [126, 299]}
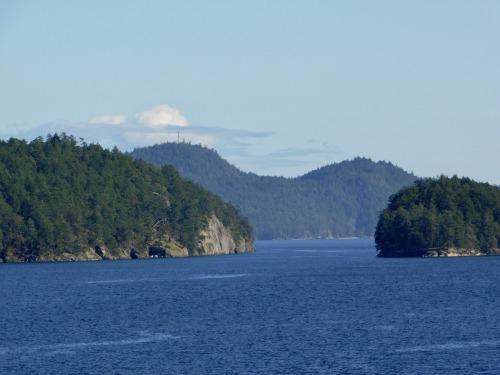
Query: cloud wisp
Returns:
{"type": "Point", "coordinates": [108, 120]}
{"type": "Point", "coordinates": [159, 124]}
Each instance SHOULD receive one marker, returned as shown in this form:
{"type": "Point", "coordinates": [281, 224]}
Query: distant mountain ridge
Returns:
{"type": "Point", "coordinates": [337, 200]}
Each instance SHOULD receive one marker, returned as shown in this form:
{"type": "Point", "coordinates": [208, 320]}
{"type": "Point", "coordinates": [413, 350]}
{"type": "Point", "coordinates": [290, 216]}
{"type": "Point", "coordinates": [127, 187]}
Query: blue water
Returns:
{"type": "Point", "coordinates": [293, 307]}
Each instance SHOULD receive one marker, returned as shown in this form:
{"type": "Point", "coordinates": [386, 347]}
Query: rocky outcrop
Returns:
{"type": "Point", "coordinates": [460, 252]}
{"type": "Point", "coordinates": [167, 250]}
{"type": "Point", "coordinates": [90, 254]}
{"type": "Point", "coordinates": [217, 239]}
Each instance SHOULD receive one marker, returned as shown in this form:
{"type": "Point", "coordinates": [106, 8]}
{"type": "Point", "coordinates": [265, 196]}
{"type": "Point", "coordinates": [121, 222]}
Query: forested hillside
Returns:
{"type": "Point", "coordinates": [58, 197]}
{"type": "Point", "coordinates": [338, 200]}
{"type": "Point", "coordinates": [441, 217]}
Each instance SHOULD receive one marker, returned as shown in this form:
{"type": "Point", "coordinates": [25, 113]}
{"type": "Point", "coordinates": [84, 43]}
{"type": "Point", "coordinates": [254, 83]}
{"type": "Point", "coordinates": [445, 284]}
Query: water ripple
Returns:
{"type": "Point", "coordinates": [450, 346]}
{"type": "Point", "coordinates": [120, 281]}
{"type": "Point", "coordinates": [143, 338]}
{"type": "Point", "coordinates": [218, 276]}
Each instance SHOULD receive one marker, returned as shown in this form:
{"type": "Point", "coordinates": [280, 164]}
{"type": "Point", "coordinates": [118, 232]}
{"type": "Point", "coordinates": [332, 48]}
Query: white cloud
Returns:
{"type": "Point", "coordinates": [160, 116]}
{"type": "Point", "coordinates": [108, 119]}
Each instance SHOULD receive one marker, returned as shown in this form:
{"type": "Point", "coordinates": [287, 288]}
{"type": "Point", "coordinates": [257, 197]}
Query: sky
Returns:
{"type": "Point", "coordinates": [276, 87]}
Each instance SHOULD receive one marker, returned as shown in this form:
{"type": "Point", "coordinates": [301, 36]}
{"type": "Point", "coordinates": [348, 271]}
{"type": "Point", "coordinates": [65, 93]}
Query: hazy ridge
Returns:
{"type": "Point", "coordinates": [337, 200]}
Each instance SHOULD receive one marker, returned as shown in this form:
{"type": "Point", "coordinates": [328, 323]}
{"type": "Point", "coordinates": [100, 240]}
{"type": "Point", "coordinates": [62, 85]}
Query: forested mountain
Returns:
{"type": "Point", "coordinates": [338, 200]}
{"type": "Point", "coordinates": [58, 199]}
{"type": "Point", "coordinates": [445, 216]}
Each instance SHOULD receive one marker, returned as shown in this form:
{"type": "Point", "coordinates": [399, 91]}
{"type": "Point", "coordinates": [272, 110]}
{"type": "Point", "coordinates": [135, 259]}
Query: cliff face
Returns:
{"type": "Point", "coordinates": [217, 239]}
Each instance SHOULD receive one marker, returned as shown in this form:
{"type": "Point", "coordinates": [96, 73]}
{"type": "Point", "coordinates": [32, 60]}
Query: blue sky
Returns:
{"type": "Point", "coordinates": [277, 87]}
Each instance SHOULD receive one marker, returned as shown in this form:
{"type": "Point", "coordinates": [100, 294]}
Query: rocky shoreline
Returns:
{"type": "Point", "coordinates": [460, 252]}
{"type": "Point", "coordinates": [215, 240]}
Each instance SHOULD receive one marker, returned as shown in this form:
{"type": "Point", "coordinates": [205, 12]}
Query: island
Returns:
{"type": "Point", "coordinates": [64, 199]}
{"type": "Point", "coordinates": [440, 217]}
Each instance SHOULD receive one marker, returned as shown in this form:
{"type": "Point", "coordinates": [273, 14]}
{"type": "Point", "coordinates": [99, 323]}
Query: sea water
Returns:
{"type": "Point", "coordinates": [293, 307]}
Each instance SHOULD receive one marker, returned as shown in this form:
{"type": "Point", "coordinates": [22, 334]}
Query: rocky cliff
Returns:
{"type": "Point", "coordinates": [217, 239]}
